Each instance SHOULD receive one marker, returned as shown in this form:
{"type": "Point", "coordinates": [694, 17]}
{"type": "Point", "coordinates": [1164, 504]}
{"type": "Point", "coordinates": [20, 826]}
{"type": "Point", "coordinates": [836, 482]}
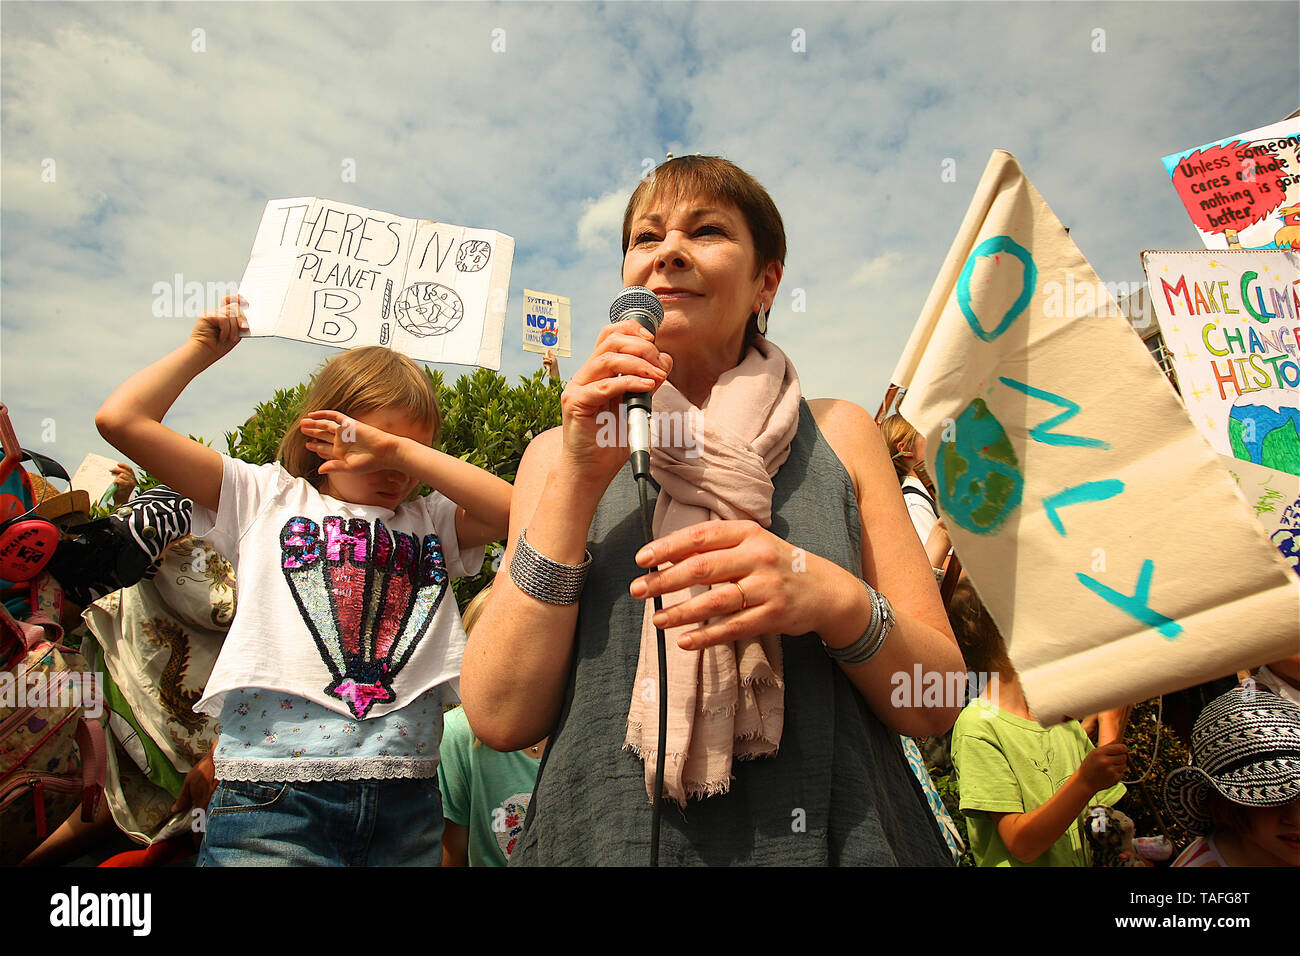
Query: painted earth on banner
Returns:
{"type": "Point", "coordinates": [1104, 535]}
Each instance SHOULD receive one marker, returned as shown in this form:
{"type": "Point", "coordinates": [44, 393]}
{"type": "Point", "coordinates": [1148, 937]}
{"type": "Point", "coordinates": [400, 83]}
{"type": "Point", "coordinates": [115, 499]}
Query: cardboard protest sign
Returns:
{"type": "Point", "coordinates": [1231, 321]}
{"type": "Point", "coordinates": [342, 275]}
{"type": "Point", "coordinates": [1274, 497]}
{"type": "Point", "coordinates": [546, 323]}
{"type": "Point", "coordinates": [94, 476]}
{"type": "Point", "coordinates": [1082, 502]}
{"type": "Point", "coordinates": [1243, 192]}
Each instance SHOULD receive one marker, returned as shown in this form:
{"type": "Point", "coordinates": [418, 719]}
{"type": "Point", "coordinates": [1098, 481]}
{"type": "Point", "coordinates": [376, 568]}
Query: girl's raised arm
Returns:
{"type": "Point", "coordinates": [484, 499]}
{"type": "Point", "coordinates": [348, 445]}
{"type": "Point", "coordinates": [131, 419]}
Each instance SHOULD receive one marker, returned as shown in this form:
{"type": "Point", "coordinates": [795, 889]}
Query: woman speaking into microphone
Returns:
{"type": "Point", "coordinates": [792, 584]}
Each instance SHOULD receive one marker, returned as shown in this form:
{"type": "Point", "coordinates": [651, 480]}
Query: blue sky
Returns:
{"type": "Point", "coordinates": [163, 155]}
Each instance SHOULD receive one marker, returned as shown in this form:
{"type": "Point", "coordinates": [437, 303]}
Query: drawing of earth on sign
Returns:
{"type": "Point", "coordinates": [1287, 541]}
{"type": "Point", "coordinates": [977, 474]}
{"type": "Point", "coordinates": [1264, 427]}
{"type": "Point", "coordinates": [429, 308]}
{"type": "Point", "coordinates": [473, 255]}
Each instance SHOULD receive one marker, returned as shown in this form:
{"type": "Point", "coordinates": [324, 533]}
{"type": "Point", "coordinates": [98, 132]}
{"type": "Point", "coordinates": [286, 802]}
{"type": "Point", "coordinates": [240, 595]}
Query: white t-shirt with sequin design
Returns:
{"type": "Point", "coordinates": [348, 606]}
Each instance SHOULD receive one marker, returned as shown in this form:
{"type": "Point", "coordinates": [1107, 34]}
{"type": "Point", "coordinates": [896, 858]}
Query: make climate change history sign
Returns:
{"type": "Point", "coordinates": [1231, 321]}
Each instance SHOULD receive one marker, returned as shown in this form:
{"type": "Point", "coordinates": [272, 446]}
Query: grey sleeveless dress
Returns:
{"type": "Point", "coordinates": [839, 792]}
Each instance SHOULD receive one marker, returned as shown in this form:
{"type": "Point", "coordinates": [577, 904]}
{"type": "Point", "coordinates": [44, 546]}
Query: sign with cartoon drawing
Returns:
{"type": "Point", "coordinates": [1243, 192]}
{"type": "Point", "coordinates": [1274, 497]}
{"type": "Point", "coordinates": [546, 323]}
{"type": "Point", "coordinates": [1081, 500]}
{"type": "Point", "coordinates": [343, 275]}
{"type": "Point", "coordinates": [1231, 321]}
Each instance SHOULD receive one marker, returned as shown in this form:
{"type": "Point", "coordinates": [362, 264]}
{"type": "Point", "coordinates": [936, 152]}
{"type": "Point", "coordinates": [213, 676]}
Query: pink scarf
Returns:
{"type": "Point", "coordinates": [727, 700]}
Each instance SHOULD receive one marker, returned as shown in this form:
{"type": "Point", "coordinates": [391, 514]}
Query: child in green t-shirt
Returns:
{"type": "Point", "coordinates": [485, 794]}
{"type": "Point", "coordinates": [1024, 788]}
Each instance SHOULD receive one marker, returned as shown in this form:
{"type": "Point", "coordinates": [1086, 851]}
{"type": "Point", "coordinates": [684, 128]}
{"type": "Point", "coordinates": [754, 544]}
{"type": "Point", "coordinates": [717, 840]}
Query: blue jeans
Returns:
{"type": "Point", "coordinates": [324, 823]}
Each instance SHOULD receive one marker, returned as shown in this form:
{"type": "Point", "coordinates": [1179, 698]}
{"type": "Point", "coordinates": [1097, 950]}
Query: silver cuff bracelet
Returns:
{"type": "Point", "coordinates": [538, 576]}
{"type": "Point", "coordinates": [873, 638]}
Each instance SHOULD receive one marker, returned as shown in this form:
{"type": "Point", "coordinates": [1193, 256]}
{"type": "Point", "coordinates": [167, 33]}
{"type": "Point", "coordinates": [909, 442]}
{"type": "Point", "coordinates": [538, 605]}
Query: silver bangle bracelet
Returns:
{"type": "Point", "coordinates": [873, 638]}
{"type": "Point", "coordinates": [538, 576]}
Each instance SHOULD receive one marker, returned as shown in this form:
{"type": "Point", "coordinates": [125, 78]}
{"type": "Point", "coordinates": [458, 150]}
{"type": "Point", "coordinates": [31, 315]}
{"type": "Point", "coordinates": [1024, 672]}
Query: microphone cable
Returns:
{"type": "Point", "coordinates": [660, 692]}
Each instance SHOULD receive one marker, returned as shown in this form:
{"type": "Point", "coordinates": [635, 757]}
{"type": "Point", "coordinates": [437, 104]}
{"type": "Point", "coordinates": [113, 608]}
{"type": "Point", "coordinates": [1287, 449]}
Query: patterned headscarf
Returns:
{"type": "Point", "coordinates": [1246, 745]}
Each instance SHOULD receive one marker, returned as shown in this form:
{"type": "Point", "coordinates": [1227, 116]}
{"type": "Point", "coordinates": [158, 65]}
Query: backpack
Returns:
{"type": "Point", "coordinates": [24, 540]}
{"type": "Point", "coordinates": [909, 490]}
{"type": "Point", "coordinates": [52, 756]}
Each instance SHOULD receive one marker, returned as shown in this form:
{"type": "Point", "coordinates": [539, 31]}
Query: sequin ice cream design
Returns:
{"type": "Point", "coordinates": [367, 598]}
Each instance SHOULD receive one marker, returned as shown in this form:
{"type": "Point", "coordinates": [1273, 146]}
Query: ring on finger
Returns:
{"type": "Point", "coordinates": [744, 603]}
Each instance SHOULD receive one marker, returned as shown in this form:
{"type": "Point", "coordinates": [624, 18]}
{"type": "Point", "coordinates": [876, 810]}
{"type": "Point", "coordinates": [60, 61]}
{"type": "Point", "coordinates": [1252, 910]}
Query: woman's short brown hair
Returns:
{"type": "Point", "coordinates": [357, 382]}
{"type": "Point", "coordinates": [719, 180]}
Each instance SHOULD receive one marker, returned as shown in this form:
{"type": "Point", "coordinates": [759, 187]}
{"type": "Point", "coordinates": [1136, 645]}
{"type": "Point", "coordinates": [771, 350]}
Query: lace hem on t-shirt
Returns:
{"type": "Point", "coordinates": [325, 768]}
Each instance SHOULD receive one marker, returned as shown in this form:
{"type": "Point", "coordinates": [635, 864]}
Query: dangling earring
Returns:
{"type": "Point", "coordinates": [761, 322]}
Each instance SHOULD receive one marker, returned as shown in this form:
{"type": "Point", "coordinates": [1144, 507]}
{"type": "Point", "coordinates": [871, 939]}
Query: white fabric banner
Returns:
{"type": "Point", "coordinates": [1104, 535]}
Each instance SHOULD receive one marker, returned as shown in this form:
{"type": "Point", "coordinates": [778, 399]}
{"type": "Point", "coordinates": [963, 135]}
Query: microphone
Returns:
{"type": "Point", "coordinates": [639, 303]}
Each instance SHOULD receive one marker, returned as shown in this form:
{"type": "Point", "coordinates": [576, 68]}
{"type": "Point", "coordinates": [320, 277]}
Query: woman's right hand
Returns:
{"type": "Point", "coordinates": [625, 360]}
{"type": "Point", "coordinates": [217, 332]}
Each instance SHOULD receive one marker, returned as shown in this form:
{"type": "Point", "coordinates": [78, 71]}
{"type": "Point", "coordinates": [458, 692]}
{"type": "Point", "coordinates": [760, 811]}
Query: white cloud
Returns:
{"type": "Point", "coordinates": [876, 270]}
{"type": "Point", "coordinates": [601, 224]}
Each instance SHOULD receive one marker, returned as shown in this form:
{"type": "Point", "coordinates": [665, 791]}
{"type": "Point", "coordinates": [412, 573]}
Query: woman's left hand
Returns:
{"type": "Point", "coordinates": [768, 585]}
{"type": "Point", "coordinates": [347, 444]}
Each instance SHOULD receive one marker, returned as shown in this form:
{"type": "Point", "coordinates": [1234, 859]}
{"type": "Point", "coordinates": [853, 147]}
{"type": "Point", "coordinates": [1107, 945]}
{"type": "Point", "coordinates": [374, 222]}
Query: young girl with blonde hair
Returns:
{"type": "Point", "coordinates": [329, 685]}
